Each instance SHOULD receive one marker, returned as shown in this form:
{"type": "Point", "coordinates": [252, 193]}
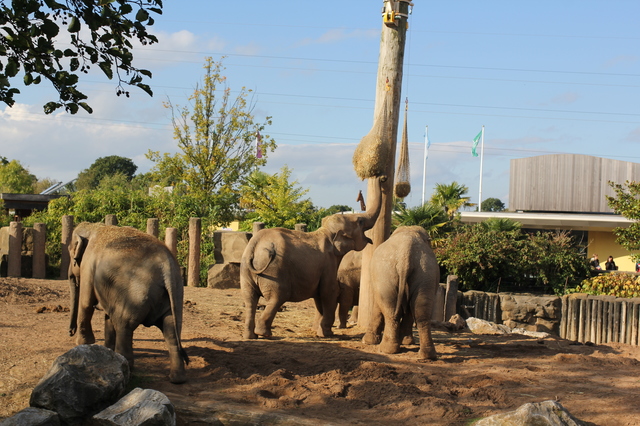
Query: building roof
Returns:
{"type": "Point", "coordinates": [560, 221]}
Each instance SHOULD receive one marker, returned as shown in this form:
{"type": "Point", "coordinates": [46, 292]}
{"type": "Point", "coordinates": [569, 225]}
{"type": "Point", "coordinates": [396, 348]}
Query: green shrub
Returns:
{"type": "Point", "coordinates": [611, 284]}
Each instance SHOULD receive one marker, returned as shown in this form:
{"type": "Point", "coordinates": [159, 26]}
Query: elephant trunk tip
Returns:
{"type": "Point", "coordinates": [72, 331]}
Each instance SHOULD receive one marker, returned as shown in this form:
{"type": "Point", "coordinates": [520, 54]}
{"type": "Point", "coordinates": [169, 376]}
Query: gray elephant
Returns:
{"type": "Point", "coordinates": [282, 265]}
{"type": "Point", "coordinates": [404, 279]}
{"type": "Point", "coordinates": [349, 282]}
{"type": "Point", "coordinates": [135, 279]}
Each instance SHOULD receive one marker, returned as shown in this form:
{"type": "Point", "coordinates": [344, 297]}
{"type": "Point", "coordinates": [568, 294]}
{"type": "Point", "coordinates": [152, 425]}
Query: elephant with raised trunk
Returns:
{"type": "Point", "coordinates": [404, 279]}
{"type": "Point", "coordinates": [135, 279]}
{"type": "Point", "coordinates": [282, 265]}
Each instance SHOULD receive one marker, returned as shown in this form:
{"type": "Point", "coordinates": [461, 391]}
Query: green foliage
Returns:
{"type": "Point", "coordinates": [217, 140]}
{"type": "Point", "coordinates": [429, 216]}
{"type": "Point", "coordinates": [627, 203]}
{"type": "Point", "coordinates": [274, 200]}
{"type": "Point", "coordinates": [14, 178]}
{"type": "Point", "coordinates": [492, 205]}
{"type": "Point", "coordinates": [100, 32]}
{"type": "Point", "coordinates": [500, 224]}
{"type": "Point", "coordinates": [105, 166]}
{"type": "Point", "coordinates": [451, 198]}
{"type": "Point", "coordinates": [483, 256]}
{"type": "Point", "coordinates": [612, 284]}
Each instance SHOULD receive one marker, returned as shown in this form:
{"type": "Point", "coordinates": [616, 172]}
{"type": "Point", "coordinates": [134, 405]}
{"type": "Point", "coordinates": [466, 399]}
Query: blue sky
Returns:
{"type": "Point", "coordinates": [542, 77]}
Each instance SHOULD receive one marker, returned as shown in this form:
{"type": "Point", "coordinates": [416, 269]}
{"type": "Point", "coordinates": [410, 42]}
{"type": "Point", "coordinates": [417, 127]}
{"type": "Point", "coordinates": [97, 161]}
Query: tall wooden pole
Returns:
{"type": "Point", "coordinates": [388, 89]}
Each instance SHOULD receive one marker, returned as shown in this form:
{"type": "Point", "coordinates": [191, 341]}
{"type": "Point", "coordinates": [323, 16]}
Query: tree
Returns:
{"type": "Point", "coordinates": [217, 138]}
{"type": "Point", "coordinates": [14, 178]}
{"type": "Point", "coordinates": [500, 224]}
{"type": "Point", "coordinates": [627, 203]}
{"type": "Point", "coordinates": [429, 216]}
{"type": "Point", "coordinates": [492, 205]}
{"type": "Point", "coordinates": [275, 200]}
{"type": "Point", "coordinates": [105, 166]}
{"type": "Point", "coordinates": [451, 197]}
{"type": "Point", "coordinates": [101, 33]}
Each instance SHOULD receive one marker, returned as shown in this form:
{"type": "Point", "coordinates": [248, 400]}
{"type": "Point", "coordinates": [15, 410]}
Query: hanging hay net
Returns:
{"type": "Point", "coordinates": [402, 186]}
{"type": "Point", "coordinates": [373, 153]}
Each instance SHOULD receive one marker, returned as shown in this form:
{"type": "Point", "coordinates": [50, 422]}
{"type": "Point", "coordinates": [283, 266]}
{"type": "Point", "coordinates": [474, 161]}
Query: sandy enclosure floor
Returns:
{"type": "Point", "coordinates": [333, 381]}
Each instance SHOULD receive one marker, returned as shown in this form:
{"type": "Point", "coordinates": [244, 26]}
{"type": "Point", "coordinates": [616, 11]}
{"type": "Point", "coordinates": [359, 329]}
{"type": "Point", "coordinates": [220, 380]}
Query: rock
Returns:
{"type": "Point", "coordinates": [455, 323]}
{"type": "Point", "coordinates": [224, 275]}
{"type": "Point", "coordinates": [533, 313]}
{"type": "Point", "coordinates": [32, 417]}
{"type": "Point", "coordinates": [536, 334]}
{"type": "Point", "coordinates": [546, 413]}
{"type": "Point", "coordinates": [139, 407]}
{"type": "Point", "coordinates": [229, 245]}
{"type": "Point", "coordinates": [479, 326]}
{"type": "Point", "coordinates": [82, 382]}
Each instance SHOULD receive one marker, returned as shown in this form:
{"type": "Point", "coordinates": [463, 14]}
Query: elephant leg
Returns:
{"type": "Point", "coordinates": [344, 304]}
{"type": "Point", "coordinates": [354, 315]}
{"type": "Point", "coordinates": [390, 343]}
{"type": "Point", "coordinates": [406, 329]}
{"type": "Point", "coordinates": [124, 343]}
{"type": "Point", "coordinates": [376, 323]}
{"type": "Point", "coordinates": [177, 370]}
{"type": "Point", "coordinates": [263, 324]}
{"type": "Point", "coordinates": [327, 315]}
{"type": "Point", "coordinates": [86, 307]}
{"type": "Point", "coordinates": [109, 333]}
{"type": "Point", "coordinates": [250, 303]}
{"type": "Point", "coordinates": [422, 307]}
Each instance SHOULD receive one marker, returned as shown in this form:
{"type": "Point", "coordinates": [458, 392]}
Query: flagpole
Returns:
{"type": "Point", "coordinates": [481, 161]}
{"type": "Point", "coordinates": [426, 154]}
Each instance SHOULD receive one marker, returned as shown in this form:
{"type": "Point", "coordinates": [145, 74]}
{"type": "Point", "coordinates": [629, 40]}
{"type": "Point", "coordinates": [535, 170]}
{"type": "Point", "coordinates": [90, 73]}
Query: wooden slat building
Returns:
{"type": "Point", "coordinates": [570, 183]}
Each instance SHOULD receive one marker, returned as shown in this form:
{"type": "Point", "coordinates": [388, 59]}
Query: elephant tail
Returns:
{"type": "Point", "coordinates": [271, 250]}
{"type": "Point", "coordinates": [402, 302]}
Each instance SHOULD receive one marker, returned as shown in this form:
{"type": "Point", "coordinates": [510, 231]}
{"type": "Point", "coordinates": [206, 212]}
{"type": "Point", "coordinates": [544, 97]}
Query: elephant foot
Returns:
{"type": "Point", "coordinates": [263, 330]}
{"type": "Point", "coordinates": [177, 377]}
{"type": "Point", "coordinates": [324, 333]}
{"type": "Point", "coordinates": [389, 347]}
{"type": "Point", "coordinates": [430, 354]}
{"type": "Point", "coordinates": [249, 335]}
{"type": "Point", "coordinates": [85, 340]}
{"type": "Point", "coordinates": [371, 339]}
{"type": "Point", "coordinates": [342, 325]}
{"type": "Point", "coordinates": [408, 340]}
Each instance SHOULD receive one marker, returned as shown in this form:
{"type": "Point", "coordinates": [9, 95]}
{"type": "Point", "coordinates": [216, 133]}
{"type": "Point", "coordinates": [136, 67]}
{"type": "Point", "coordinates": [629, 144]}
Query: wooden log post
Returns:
{"type": "Point", "coordinates": [14, 267]}
{"type": "Point", "coordinates": [302, 227]}
{"type": "Point", "coordinates": [451, 297]}
{"type": "Point", "coordinates": [111, 219]}
{"type": "Point", "coordinates": [39, 256]}
{"type": "Point", "coordinates": [388, 90]}
{"type": "Point", "coordinates": [67, 231]}
{"type": "Point", "coordinates": [171, 240]}
{"type": "Point", "coordinates": [195, 231]}
{"type": "Point", "coordinates": [153, 227]}
{"type": "Point", "coordinates": [257, 226]}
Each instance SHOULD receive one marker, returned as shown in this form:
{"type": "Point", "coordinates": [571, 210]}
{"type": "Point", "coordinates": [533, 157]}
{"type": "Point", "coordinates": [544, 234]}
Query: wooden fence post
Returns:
{"type": "Point", "coordinates": [171, 240]}
{"type": "Point", "coordinates": [195, 231]}
{"type": "Point", "coordinates": [39, 243]}
{"type": "Point", "coordinates": [111, 219]}
{"type": "Point", "coordinates": [67, 231]}
{"type": "Point", "coordinates": [302, 227]}
{"type": "Point", "coordinates": [14, 267]}
{"type": "Point", "coordinates": [153, 227]}
{"type": "Point", "coordinates": [257, 226]}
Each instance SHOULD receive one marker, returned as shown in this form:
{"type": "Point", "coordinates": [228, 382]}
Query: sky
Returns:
{"type": "Point", "coordinates": [542, 77]}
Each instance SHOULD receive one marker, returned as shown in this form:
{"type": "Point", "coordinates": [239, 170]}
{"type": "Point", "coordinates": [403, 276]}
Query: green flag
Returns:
{"type": "Point", "coordinates": [475, 144]}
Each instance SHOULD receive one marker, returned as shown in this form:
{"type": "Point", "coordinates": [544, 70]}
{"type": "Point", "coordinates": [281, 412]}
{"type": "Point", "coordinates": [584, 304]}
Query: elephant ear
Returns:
{"type": "Point", "coordinates": [80, 246]}
{"type": "Point", "coordinates": [342, 243]}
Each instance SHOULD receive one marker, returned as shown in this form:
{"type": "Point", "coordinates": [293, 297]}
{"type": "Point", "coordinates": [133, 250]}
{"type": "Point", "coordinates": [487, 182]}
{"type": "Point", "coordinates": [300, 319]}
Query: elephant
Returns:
{"type": "Point", "coordinates": [349, 282]}
{"type": "Point", "coordinates": [284, 265]}
{"type": "Point", "coordinates": [134, 279]}
{"type": "Point", "coordinates": [404, 280]}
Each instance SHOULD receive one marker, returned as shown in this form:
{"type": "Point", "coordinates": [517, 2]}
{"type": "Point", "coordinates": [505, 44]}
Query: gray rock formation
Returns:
{"type": "Point", "coordinates": [546, 413]}
{"type": "Point", "coordinates": [139, 407]}
{"type": "Point", "coordinates": [32, 417]}
{"type": "Point", "coordinates": [82, 382]}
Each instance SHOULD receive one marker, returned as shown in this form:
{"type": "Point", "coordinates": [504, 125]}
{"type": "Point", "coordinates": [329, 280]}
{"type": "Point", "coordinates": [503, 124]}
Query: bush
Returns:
{"type": "Point", "coordinates": [611, 284]}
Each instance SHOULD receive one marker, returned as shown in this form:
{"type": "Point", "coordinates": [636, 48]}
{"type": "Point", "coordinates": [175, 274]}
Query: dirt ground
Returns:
{"type": "Point", "coordinates": [325, 381]}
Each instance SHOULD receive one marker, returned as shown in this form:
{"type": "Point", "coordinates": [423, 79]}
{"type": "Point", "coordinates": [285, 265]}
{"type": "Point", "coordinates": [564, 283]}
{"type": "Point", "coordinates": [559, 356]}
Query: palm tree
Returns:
{"type": "Point", "coordinates": [451, 197]}
{"type": "Point", "coordinates": [429, 216]}
{"type": "Point", "coordinates": [500, 224]}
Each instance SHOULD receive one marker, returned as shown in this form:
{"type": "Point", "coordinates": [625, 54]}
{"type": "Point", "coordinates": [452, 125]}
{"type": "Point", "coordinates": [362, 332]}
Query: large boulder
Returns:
{"type": "Point", "coordinates": [32, 417]}
{"type": "Point", "coordinates": [546, 413]}
{"type": "Point", "coordinates": [480, 326]}
{"type": "Point", "coordinates": [224, 276]}
{"type": "Point", "coordinates": [139, 407]}
{"type": "Point", "coordinates": [82, 382]}
{"type": "Point", "coordinates": [228, 246]}
{"type": "Point", "coordinates": [532, 313]}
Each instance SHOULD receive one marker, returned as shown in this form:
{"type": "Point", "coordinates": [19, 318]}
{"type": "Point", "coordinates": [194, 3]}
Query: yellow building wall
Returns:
{"type": "Point", "coordinates": [604, 245]}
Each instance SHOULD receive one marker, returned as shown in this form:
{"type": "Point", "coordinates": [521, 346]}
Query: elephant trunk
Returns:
{"type": "Point", "coordinates": [75, 296]}
{"type": "Point", "coordinates": [373, 210]}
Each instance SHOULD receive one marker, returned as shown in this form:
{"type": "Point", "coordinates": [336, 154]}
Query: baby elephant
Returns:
{"type": "Point", "coordinates": [404, 279]}
{"type": "Point", "coordinates": [349, 281]}
{"type": "Point", "coordinates": [135, 279]}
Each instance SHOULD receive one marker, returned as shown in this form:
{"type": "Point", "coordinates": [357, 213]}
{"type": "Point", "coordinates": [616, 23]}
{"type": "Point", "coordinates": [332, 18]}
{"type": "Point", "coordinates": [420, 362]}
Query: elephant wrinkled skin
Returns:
{"type": "Point", "coordinates": [135, 279]}
{"type": "Point", "coordinates": [349, 282]}
{"type": "Point", "coordinates": [282, 265]}
{"type": "Point", "coordinates": [404, 279]}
